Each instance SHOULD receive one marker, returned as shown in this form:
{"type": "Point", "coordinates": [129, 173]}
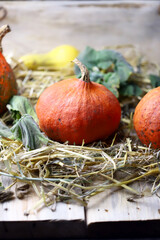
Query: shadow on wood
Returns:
{"type": "Point", "coordinates": [130, 230]}
{"type": "Point", "coordinates": [42, 229]}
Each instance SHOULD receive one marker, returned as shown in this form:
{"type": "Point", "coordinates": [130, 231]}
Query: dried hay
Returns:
{"type": "Point", "coordinates": [79, 172]}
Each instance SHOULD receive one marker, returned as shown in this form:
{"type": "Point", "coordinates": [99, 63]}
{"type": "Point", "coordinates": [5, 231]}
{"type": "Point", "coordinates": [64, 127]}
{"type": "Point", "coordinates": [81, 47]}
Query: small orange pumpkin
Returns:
{"type": "Point", "coordinates": [147, 118]}
{"type": "Point", "coordinates": [8, 85]}
{"type": "Point", "coordinates": [74, 110]}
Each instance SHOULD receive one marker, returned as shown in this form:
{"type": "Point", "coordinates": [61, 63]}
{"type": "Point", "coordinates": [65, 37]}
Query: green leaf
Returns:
{"type": "Point", "coordinates": [89, 58]}
{"type": "Point", "coordinates": [96, 77]}
{"type": "Point", "coordinates": [25, 128]}
{"type": "Point", "coordinates": [27, 131]}
{"type": "Point", "coordinates": [111, 81]}
{"type": "Point", "coordinates": [155, 80]}
{"type": "Point", "coordinates": [19, 105]}
{"type": "Point", "coordinates": [100, 63]}
{"type": "Point", "coordinates": [104, 65]}
{"type": "Point", "coordinates": [130, 90]}
{"type": "Point", "coordinates": [123, 71]}
{"type": "Point", "coordinates": [5, 131]}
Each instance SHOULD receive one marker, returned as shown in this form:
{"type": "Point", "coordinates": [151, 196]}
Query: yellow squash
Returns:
{"type": "Point", "coordinates": [57, 58]}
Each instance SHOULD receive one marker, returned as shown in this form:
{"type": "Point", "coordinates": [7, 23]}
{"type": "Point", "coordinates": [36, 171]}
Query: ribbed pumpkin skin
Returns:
{"type": "Point", "coordinates": [8, 86]}
{"type": "Point", "coordinates": [73, 110]}
{"type": "Point", "coordinates": [147, 118]}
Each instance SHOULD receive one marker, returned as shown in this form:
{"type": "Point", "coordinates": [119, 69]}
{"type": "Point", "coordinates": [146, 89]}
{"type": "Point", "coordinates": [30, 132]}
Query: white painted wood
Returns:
{"type": "Point", "coordinates": [16, 209]}
{"type": "Point", "coordinates": [113, 206]}
{"type": "Point", "coordinates": [64, 221]}
{"type": "Point", "coordinates": [39, 26]}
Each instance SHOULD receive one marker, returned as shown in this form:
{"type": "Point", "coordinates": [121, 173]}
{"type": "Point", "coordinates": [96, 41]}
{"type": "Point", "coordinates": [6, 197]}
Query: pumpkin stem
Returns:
{"type": "Point", "coordinates": [84, 71]}
{"type": "Point", "coordinates": [3, 30]}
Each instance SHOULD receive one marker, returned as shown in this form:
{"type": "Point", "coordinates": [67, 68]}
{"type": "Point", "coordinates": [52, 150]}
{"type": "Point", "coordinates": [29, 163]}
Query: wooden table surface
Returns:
{"type": "Point", "coordinates": [40, 26]}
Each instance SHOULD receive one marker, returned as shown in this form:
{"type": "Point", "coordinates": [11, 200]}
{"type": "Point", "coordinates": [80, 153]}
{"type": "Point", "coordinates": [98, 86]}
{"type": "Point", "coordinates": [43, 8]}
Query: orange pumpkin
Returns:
{"type": "Point", "coordinates": [8, 86]}
{"type": "Point", "coordinates": [147, 118]}
{"type": "Point", "coordinates": [74, 110]}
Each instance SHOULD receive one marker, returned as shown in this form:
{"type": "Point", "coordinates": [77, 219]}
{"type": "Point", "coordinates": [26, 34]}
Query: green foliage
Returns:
{"type": "Point", "coordinates": [112, 82]}
{"type": "Point", "coordinates": [25, 128]}
{"type": "Point", "coordinates": [19, 105]}
{"type": "Point", "coordinates": [155, 80]}
{"type": "Point", "coordinates": [5, 131]}
{"type": "Point", "coordinates": [27, 131]}
{"type": "Point", "coordinates": [109, 67]}
{"type": "Point", "coordinates": [130, 90]}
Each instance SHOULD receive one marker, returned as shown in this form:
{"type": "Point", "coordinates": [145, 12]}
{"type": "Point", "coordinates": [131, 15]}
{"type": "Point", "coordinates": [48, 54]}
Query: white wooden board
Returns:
{"type": "Point", "coordinates": [113, 206]}
{"type": "Point", "coordinates": [19, 218]}
{"type": "Point", "coordinates": [26, 209]}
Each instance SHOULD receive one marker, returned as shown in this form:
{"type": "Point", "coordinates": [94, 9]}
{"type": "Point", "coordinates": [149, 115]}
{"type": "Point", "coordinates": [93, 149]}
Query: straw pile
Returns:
{"type": "Point", "coordinates": [79, 172]}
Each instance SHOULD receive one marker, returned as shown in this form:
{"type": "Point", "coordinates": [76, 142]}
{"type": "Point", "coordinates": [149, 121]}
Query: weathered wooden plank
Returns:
{"type": "Point", "coordinates": [17, 210]}
{"type": "Point", "coordinates": [115, 214]}
{"type": "Point", "coordinates": [26, 209]}
{"type": "Point", "coordinates": [58, 221]}
{"type": "Point", "coordinates": [39, 26]}
{"type": "Point", "coordinates": [113, 206]}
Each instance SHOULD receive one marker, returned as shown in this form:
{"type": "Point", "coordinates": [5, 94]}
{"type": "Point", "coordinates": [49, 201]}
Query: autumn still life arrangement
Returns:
{"type": "Point", "coordinates": [75, 123]}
